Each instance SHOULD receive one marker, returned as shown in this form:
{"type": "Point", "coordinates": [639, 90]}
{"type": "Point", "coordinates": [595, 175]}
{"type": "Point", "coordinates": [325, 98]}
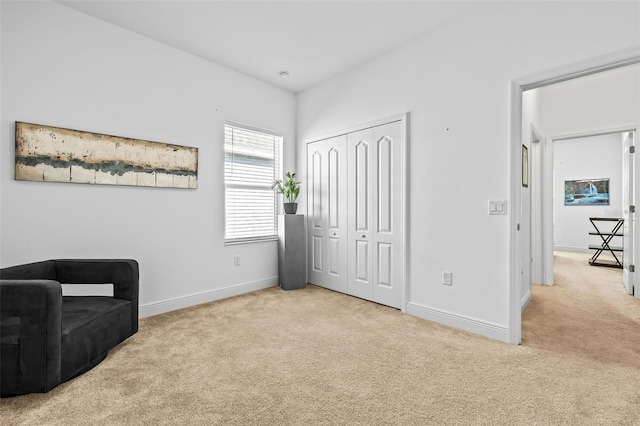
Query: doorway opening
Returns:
{"type": "Point", "coordinates": [588, 311]}
{"type": "Point", "coordinates": [530, 261]}
{"type": "Point", "coordinates": [584, 201]}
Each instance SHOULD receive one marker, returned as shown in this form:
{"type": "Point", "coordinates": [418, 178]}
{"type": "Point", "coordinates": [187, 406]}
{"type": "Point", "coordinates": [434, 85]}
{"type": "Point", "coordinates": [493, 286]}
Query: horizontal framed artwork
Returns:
{"type": "Point", "coordinates": [54, 154]}
{"type": "Point", "coordinates": [586, 192]}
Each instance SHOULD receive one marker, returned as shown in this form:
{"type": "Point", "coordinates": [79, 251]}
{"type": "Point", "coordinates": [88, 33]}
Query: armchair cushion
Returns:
{"type": "Point", "coordinates": [91, 326]}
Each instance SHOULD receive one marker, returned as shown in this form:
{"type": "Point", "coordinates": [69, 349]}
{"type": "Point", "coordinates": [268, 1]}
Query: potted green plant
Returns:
{"type": "Point", "coordinates": [290, 189]}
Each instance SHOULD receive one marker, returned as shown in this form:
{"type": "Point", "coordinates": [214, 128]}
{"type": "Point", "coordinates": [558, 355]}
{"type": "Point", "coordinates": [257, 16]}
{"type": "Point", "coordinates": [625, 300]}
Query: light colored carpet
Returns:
{"type": "Point", "coordinates": [315, 357]}
{"type": "Point", "coordinates": [585, 314]}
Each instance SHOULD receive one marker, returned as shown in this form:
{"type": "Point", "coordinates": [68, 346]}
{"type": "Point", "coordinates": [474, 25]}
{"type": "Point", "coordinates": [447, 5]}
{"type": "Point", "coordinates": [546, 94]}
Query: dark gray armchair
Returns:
{"type": "Point", "coordinates": [47, 338]}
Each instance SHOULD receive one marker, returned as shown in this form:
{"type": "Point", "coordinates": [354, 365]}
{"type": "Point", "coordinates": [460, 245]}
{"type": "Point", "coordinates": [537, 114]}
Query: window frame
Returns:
{"type": "Point", "coordinates": [279, 140]}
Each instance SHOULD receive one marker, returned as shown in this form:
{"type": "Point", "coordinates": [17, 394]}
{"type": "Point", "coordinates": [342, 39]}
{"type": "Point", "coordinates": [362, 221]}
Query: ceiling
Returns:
{"type": "Point", "coordinates": [312, 40]}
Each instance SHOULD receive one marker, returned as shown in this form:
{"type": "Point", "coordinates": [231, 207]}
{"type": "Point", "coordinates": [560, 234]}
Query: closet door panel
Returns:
{"type": "Point", "coordinates": [384, 262]}
{"type": "Point", "coordinates": [384, 183]}
{"type": "Point", "coordinates": [316, 186]}
{"type": "Point", "coordinates": [317, 252]}
{"type": "Point", "coordinates": [315, 228]}
{"type": "Point", "coordinates": [335, 267]}
{"type": "Point", "coordinates": [333, 188]}
{"type": "Point", "coordinates": [388, 211]}
{"type": "Point", "coordinates": [361, 183]}
{"type": "Point", "coordinates": [336, 214]}
{"type": "Point", "coordinates": [360, 214]}
{"type": "Point", "coordinates": [362, 261]}
{"type": "Point", "coordinates": [327, 175]}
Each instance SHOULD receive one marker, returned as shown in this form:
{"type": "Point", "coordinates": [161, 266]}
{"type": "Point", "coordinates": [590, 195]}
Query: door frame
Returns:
{"type": "Point", "coordinates": [517, 87]}
{"type": "Point", "coordinates": [546, 230]}
{"type": "Point", "coordinates": [404, 187]}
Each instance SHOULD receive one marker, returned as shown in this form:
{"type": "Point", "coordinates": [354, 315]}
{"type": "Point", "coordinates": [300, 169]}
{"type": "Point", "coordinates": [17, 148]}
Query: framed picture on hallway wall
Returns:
{"type": "Point", "coordinates": [525, 166]}
{"type": "Point", "coordinates": [586, 192]}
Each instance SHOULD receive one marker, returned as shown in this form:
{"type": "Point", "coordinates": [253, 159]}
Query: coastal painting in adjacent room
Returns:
{"type": "Point", "coordinates": [53, 154]}
{"type": "Point", "coordinates": [586, 192]}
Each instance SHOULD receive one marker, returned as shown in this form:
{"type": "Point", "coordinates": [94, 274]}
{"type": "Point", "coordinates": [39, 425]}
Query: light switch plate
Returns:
{"type": "Point", "coordinates": [447, 278]}
{"type": "Point", "coordinates": [498, 207]}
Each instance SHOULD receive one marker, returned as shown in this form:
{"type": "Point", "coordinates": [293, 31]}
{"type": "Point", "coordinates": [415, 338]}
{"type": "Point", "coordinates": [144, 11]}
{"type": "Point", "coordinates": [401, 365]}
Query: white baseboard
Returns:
{"type": "Point", "coordinates": [525, 301]}
{"type": "Point", "coordinates": [572, 248]}
{"type": "Point", "coordinates": [493, 331]}
{"type": "Point", "coordinates": [163, 306]}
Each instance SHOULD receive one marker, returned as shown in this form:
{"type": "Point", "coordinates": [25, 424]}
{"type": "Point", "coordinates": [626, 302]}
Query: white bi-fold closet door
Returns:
{"type": "Point", "coordinates": [355, 213]}
{"type": "Point", "coordinates": [327, 213]}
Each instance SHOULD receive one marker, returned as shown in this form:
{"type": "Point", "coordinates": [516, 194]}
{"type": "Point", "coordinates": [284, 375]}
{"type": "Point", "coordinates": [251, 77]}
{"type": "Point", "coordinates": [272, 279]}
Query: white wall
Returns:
{"type": "Point", "coordinates": [593, 103]}
{"type": "Point", "coordinates": [455, 82]}
{"type": "Point", "coordinates": [585, 158]}
{"type": "Point", "coordinates": [63, 68]}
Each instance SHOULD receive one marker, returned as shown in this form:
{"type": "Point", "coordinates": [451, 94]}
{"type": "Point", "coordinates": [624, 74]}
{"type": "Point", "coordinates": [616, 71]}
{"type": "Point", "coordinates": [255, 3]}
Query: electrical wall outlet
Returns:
{"type": "Point", "coordinates": [236, 260]}
{"type": "Point", "coordinates": [447, 278]}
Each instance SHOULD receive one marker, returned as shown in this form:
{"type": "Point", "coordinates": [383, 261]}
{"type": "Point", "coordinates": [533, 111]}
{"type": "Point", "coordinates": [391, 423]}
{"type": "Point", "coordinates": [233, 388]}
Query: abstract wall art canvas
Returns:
{"type": "Point", "coordinates": [53, 154]}
{"type": "Point", "coordinates": [586, 192]}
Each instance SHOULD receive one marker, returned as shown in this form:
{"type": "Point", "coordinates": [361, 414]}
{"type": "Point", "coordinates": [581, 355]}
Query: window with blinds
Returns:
{"type": "Point", "coordinates": [251, 164]}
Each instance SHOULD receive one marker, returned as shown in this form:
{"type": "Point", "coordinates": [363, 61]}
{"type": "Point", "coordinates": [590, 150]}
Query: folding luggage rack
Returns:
{"type": "Point", "coordinates": [616, 231]}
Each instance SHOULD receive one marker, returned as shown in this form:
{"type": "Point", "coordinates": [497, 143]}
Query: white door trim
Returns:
{"type": "Point", "coordinates": [587, 67]}
{"type": "Point", "coordinates": [404, 123]}
{"type": "Point", "coordinates": [547, 190]}
{"type": "Point", "coordinates": [351, 129]}
{"type": "Point", "coordinates": [632, 127]}
{"type": "Point", "coordinates": [629, 198]}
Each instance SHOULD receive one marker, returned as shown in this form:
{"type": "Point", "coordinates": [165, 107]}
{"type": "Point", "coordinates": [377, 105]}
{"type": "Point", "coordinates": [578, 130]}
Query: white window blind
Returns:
{"type": "Point", "coordinates": [251, 164]}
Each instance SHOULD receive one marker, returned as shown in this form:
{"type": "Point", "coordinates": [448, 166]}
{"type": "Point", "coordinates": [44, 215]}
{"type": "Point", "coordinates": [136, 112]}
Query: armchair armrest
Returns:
{"type": "Point", "coordinates": [122, 273]}
{"type": "Point", "coordinates": [31, 328]}
{"type": "Point", "coordinates": [30, 271]}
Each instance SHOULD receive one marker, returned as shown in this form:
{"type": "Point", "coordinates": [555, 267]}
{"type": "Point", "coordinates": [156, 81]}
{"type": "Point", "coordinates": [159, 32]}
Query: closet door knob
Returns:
{"type": "Point", "coordinates": [364, 236]}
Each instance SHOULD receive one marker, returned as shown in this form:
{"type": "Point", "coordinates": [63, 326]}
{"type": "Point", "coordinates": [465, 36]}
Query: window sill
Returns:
{"type": "Point", "coordinates": [250, 240]}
